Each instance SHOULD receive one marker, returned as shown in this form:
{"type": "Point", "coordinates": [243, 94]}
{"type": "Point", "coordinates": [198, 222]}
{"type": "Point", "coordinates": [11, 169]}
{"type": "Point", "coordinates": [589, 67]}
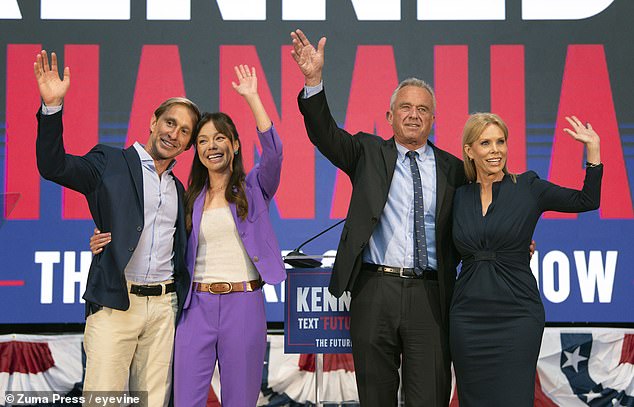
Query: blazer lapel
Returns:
{"type": "Point", "coordinates": [390, 154]}
{"type": "Point", "coordinates": [197, 214]}
{"type": "Point", "coordinates": [236, 219]}
{"type": "Point", "coordinates": [134, 165]}
{"type": "Point", "coordinates": [442, 167]}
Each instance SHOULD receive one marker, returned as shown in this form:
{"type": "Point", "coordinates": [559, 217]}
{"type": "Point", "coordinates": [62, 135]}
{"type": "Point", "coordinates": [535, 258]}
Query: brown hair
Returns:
{"type": "Point", "coordinates": [199, 176]}
{"type": "Point", "coordinates": [473, 129]}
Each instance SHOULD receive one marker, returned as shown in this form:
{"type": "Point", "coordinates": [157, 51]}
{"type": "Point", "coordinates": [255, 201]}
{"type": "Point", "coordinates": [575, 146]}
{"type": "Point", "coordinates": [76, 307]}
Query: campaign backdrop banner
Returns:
{"type": "Point", "coordinates": [531, 61]}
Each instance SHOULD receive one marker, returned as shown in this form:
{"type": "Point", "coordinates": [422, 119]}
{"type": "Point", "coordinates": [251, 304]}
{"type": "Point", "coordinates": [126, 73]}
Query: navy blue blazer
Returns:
{"type": "Point", "coordinates": [111, 179]}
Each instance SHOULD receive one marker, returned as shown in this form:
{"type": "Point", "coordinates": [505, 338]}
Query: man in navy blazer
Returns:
{"type": "Point", "coordinates": [137, 284]}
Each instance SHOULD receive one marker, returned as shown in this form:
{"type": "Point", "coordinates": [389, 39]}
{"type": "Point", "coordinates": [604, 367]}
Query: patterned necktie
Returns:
{"type": "Point", "coordinates": [420, 243]}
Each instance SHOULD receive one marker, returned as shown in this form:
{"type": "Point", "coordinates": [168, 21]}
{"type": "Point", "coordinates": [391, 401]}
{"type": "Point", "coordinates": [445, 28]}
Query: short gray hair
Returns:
{"type": "Point", "coordinates": [414, 82]}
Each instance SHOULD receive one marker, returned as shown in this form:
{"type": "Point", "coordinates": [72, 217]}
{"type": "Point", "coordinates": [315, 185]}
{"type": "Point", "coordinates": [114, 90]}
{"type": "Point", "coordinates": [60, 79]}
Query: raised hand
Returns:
{"type": "Point", "coordinates": [309, 59]}
{"type": "Point", "coordinates": [247, 87]}
{"type": "Point", "coordinates": [247, 81]}
{"type": "Point", "coordinates": [52, 87]}
{"type": "Point", "coordinates": [587, 136]}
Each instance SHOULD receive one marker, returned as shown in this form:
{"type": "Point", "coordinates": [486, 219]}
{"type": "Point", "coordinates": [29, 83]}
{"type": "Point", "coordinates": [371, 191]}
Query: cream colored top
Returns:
{"type": "Point", "coordinates": [221, 254]}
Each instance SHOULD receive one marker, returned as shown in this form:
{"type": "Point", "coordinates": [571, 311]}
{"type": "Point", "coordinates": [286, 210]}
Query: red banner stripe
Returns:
{"type": "Point", "coordinates": [25, 357]}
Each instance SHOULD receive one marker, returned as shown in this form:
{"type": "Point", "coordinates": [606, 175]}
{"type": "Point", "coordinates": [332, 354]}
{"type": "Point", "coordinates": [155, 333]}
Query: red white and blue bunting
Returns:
{"type": "Point", "coordinates": [577, 367]}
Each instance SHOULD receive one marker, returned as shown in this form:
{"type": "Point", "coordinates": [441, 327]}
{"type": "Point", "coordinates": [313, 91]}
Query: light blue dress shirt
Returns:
{"type": "Point", "coordinates": [49, 110]}
{"type": "Point", "coordinates": [392, 241]}
{"type": "Point", "coordinates": [153, 258]}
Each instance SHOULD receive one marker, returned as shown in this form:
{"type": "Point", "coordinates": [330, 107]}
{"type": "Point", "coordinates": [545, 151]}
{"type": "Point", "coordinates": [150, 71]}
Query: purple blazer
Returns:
{"type": "Point", "coordinates": [256, 230]}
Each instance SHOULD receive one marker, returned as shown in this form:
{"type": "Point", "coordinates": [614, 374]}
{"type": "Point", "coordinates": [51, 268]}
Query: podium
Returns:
{"type": "Point", "coordinates": [315, 322]}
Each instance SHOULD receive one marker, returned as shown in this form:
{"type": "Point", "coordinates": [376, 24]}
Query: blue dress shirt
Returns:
{"type": "Point", "coordinates": [392, 241]}
{"type": "Point", "coordinates": [153, 258]}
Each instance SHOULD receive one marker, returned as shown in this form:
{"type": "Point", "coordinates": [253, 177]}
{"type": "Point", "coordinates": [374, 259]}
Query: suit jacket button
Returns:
{"type": "Point", "coordinates": [139, 228]}
{"type": "Point", "coordinates": [130, 249]}
{"type": "Point", "coordinates": [256, 259]}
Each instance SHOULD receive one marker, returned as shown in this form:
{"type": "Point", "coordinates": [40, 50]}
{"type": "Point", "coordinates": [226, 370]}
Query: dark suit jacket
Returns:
{"type": "Point", "coordinates": [112, 181]}
{"type": "Point", "coordinates": [369, 161]}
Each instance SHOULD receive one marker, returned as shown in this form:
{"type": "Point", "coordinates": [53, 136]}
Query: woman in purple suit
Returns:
{"type": "Point", "coordinates": [231, 251]}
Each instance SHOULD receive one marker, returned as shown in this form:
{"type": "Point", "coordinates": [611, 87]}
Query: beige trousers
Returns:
{"type": "Point", "coordinates": [133, 349]}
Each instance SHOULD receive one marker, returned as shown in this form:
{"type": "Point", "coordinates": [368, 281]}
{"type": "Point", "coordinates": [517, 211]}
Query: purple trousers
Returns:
{"type": "Point", "coordinates": [230, 329]}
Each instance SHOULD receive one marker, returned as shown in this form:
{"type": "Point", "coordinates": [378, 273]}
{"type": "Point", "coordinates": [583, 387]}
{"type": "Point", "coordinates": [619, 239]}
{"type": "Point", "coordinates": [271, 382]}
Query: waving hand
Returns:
{"type": "Point", "coordinates": [309, 59]}
{"type": "Point", "coordinates": [587, 136]}
{"type": "Point", "coordinates": [52, 87]}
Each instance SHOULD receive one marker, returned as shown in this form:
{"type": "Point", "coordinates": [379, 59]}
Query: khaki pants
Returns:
{"type": "Point", "coordinates": [133, 349]}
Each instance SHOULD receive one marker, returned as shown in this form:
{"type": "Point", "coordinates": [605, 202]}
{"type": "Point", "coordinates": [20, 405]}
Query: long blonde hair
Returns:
{"type": "Point", "coordinates": [473, 129]}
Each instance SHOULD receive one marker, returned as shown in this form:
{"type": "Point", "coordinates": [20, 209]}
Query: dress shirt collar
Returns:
{"type": "Point", "coordinates": [147, 159]}
{"type": "Point", "coordinates": [402, 150]}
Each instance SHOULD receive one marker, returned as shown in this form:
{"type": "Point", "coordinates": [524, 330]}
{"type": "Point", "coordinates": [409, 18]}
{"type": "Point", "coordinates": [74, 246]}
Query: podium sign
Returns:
{"type": "Point", "coordinates": [315, 320]}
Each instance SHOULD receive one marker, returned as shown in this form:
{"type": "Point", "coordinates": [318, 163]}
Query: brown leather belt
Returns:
{"type": "Point", "coordinates": [225, 287]}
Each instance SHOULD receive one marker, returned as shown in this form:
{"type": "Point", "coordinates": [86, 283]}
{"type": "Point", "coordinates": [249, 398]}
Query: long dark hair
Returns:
{"type": "Point", "coordinates": [199, 176]}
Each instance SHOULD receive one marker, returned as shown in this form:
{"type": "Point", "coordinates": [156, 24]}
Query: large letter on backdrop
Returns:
{"type": "Point", "coordinates": [85, 10]}
{"type": "Point", "coordinates": [461, 10]}
{"type": "Point", "coordinates": [377, 10]}
{"type": "Point", "coordinates": [23, 100]}
{"type": "Point", "coordinates": [153, 87]}
{"type": "Point", "coordinates": [370, 91]}
{"type": "Point", "coordinates": [451, 80]}
{"type": "Point", "coordinates": [81, 116]}
{"type": "Point", "coordinates": [304, 10]}
{"type": "Point", "coordinates": [242, 10]}
{"type": "Point", "coordinates": [586, 93]}
{"type": "Point", "coordinates": [508, 99]}
{"type": "Point", "coordinates": [9, 10]}
{"type": "Point", "coordinates": [562, 9]}
{"type": "Point", "coordinates": [295, 197]}
{"type": "Point", "coordinates": [169, 10]}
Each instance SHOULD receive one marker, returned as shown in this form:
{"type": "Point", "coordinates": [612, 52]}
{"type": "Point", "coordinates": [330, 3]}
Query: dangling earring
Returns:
{"type": "Point", "coordinates": [235, 152]}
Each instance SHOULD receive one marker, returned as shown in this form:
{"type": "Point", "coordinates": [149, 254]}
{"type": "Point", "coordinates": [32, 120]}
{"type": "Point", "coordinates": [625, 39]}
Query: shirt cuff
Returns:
{"type": "Point", "coordinates": [313, 90]}
{"type": "Point", "coordinates": [49, 110]}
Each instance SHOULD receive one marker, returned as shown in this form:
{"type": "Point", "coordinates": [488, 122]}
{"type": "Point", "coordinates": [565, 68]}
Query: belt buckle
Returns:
{"type": "Point", "coordinates": [223, 283]}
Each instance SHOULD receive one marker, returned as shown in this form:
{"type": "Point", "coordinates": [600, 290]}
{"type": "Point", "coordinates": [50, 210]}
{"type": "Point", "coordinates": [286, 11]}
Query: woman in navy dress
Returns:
{"type": "Point", "coordinates": [496, 315]}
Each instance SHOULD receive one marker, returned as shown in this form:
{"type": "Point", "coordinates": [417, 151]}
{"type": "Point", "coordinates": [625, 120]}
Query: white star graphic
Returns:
{"type": "Point", "coordinates": [573, 359]}
{"type": "Point", "coordinates": [591, 396]}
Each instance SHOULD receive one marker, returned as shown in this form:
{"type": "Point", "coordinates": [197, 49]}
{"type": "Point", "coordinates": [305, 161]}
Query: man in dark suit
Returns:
{"type": "Point", "coordinates": [136, 286]}
{"type": "Point", "coordinates": [396, 254]}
